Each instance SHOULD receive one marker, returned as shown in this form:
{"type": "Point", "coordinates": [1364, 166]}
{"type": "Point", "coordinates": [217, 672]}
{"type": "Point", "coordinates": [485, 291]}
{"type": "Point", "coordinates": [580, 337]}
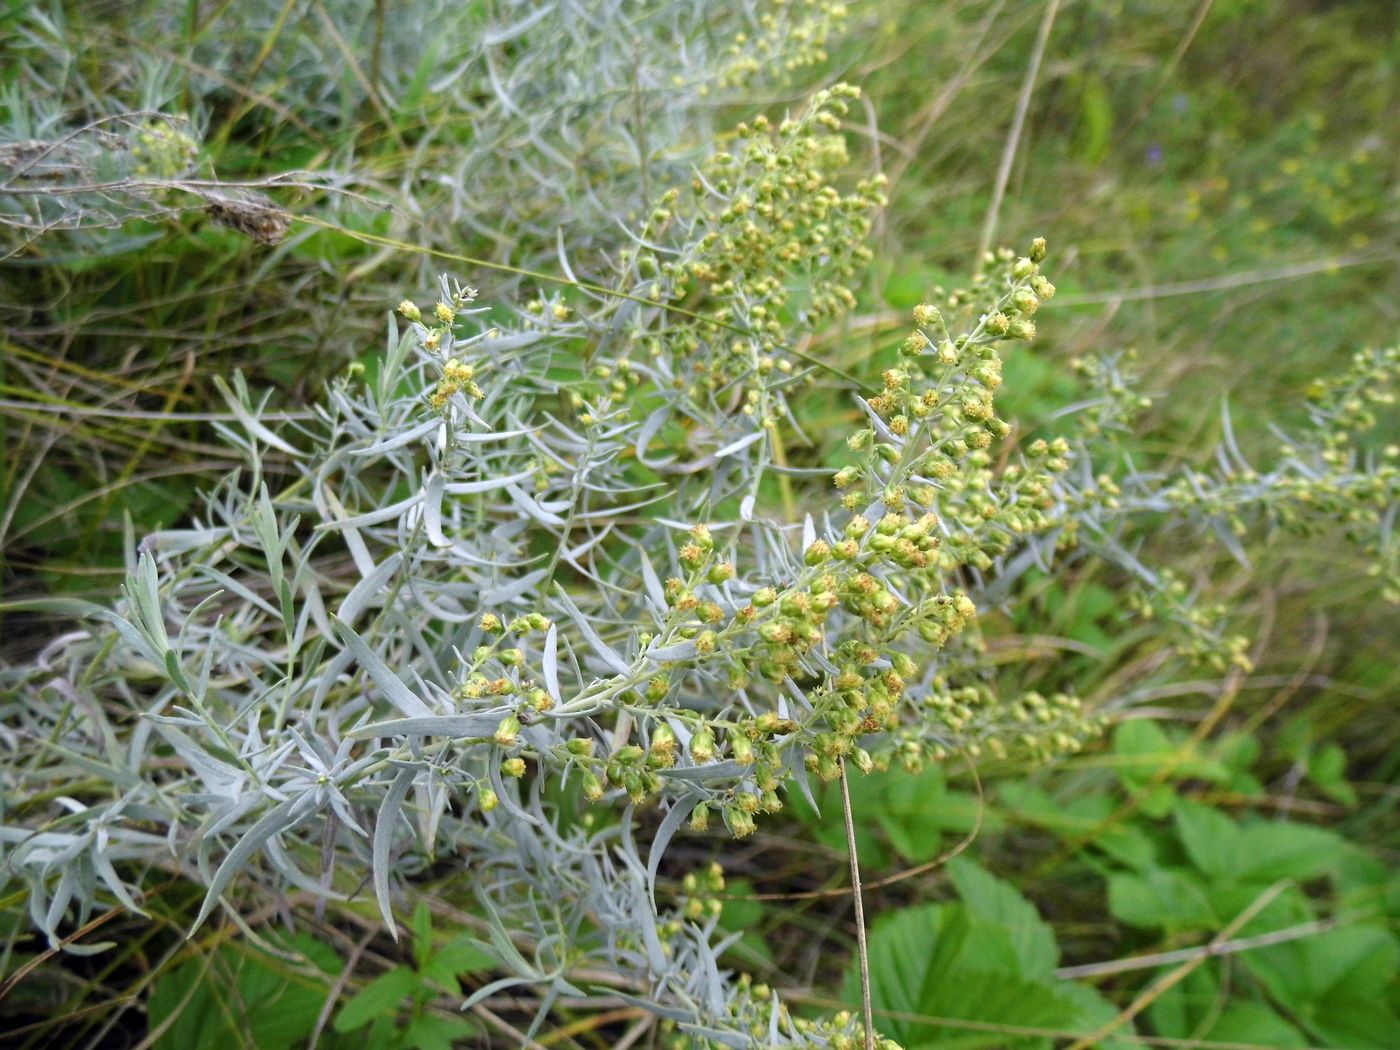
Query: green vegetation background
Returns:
{"type": "Point", "coordinates": [1221, 186]}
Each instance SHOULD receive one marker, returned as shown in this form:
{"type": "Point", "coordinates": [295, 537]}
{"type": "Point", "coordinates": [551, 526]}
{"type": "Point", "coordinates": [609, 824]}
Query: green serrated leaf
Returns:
{"type": "Point", "coordinates": [1160, 898]}
{"type": "Point", "coordinates": [382, 997]}
{"type": "Point", "coordinates": [945, 963]}
{"type": "Point", "coordinates": [241, 996]}
{"type": "Point", "coordinates": [436, 1032]}
{"type": "Point", "coordinates": [1001, 903]}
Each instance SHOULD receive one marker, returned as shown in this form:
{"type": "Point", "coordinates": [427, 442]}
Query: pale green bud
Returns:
{"type": "Point", "coordinates": [508, 731]}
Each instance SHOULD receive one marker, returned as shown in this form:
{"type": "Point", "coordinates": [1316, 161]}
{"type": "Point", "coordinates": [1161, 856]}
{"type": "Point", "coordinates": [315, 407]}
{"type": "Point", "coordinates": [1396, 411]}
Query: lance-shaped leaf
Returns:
{"type": "Point", "coordinates": [550, 663]}
{"type": "Point", "coordinates": [680, 812]}
{"type": "Point", "coordinates": [477, 725]}
{"type": "Point", "coordinates": [469, 488]}
{"type": "Point", "coordinates": [281, 817]}
{"type": "Point", "coordinates": [579, 620]}
{"type": "Point", "coordinates": [368, 587]}
{"type": "Point", "coordinates": [384, 838]}
{"type": "Point", "coordinates": [245, 416]}
{"type": "Point", "coordinates": [390, 684]}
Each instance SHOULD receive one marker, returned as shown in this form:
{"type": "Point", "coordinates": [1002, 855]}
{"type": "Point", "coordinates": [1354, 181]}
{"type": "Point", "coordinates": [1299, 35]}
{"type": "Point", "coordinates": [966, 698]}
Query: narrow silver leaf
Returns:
{"type": "Point", "coordinates": [477, 725]}
{"type": "Point", "coordinates": [389, 683]}
{"type": "Point", "coordinates": [384, 838]}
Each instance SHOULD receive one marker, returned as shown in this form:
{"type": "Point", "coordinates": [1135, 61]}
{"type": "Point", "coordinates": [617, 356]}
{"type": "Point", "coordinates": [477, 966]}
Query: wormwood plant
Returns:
{"type": "Point", "coordinates": [534, 558]}
{"type": "Point", "coordinates": [501, 125]}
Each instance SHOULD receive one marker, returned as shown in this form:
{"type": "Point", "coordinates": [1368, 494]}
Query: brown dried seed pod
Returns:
{"type": "Point", "coordinates": [251, 214]}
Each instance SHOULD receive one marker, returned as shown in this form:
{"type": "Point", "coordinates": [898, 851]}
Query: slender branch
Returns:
{"type": "Point", "coordinates": [1205, 951]}
{"type": "Point", "coordinates": [862, 949]}
{"type": "Point", "coordinates": [899, 876]}
{"type": "Point", "coordinates": [1224, 282]}
{"type": "Point", "coordinates": [1013, 138]}
{"type": "Point", "coordinates": [1155, 990]}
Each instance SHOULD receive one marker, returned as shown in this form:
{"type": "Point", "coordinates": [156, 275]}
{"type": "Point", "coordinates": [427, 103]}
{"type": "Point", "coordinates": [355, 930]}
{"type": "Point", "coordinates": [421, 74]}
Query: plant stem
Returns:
{"type": "Point", "coordinates": [1013, 139]}
{"type": "Point", "coordinates": [862, 951]}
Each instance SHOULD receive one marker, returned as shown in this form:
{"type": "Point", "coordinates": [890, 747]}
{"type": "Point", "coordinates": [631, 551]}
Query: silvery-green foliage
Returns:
{"type": "Point", "coordinates": [331, 672]}
{"type": "Point", "coordinates": [411, 614]}
{"type": "Point", "coordinates": [534, 130]}
{"type": "Point", "coordinates": [295, 702]}
{"type": "Point", "coordinates": [1327, 473]}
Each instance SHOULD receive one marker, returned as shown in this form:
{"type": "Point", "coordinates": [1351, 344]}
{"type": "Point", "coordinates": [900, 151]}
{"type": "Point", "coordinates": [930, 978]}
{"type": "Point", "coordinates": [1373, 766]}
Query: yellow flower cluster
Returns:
{"type": "Point", "coordinates": [764, 216]}
{"type": "Point", "coordinates": [436, 336]}
{"type": "Point", "coordinates": [162, 151]}
{"type": "Point", "coordinates": [792, 32]}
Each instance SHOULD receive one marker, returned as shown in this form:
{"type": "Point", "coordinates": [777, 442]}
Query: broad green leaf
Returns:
{"type": "Point", "coordinates": [1238, 751]}
{"type": "Point", "coordinates": [243, 997]}
{"type": "Point", "coordinates": [1365, 882]}
{"type": "Point", "coordinates": [999, 902]}
{"type": "Point", "coordinates": [382, 997]}
{"type": "Point", "coordinates": [1327, 769]}
{"type": "Point", "coordinates": [1094, 1013]}
{"type": "Point", "coordinates": [895, 810]}
{"type": "Point", "coordinates": [1261, 851]}
{"type": "Point", "coordinates": [1143, 749]}
{"type": "Point", "coordinates": [1180, 1010]}
{"type": "Point", "coordinates": [461, 955]}
{"type": "Point", "coordinates": [1086, 819]}
{"type": "Point", "coordinates": [1355, 962]}
{"type": "Point", "coordinates": [1161, 898]}
{"type": "Point", "coordinates": [1350, 1020]}
{"type": "Point", "coordinates": [1198, 1007]}
{"type": "Point", "coordinates": [1210, 837]}
{"type": "Point", "coordinates": [1229, 899]}
{"type": "Point", "coordinates": [1274, 850]}
{"type": "Point", "coordinates": [944, 963]}
{"type": "Point", "coordinates": [436, 1032]}
{"type": "Point", "coordinates": [1245, 1021]}
{"type": "Point", "coordinates": [421, 925]}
